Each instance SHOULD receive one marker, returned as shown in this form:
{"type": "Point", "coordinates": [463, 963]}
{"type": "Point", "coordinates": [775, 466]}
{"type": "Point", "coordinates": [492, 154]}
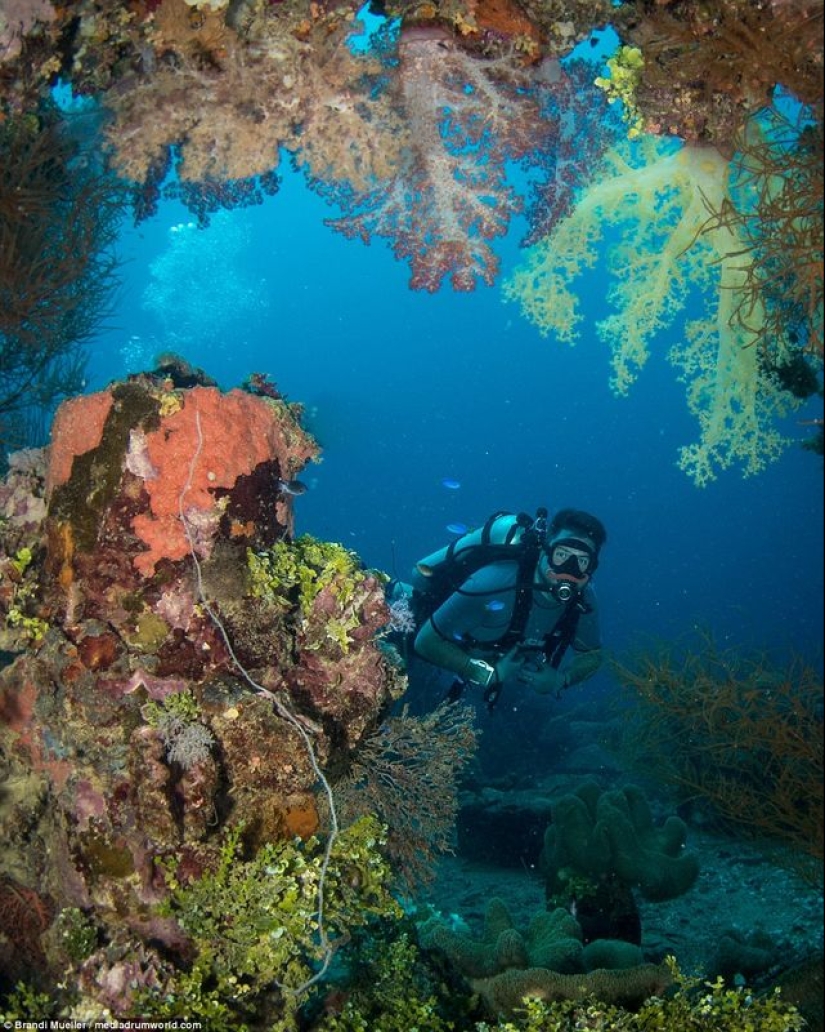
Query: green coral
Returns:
{"type": "Point", "coordinates": [254, 924]}
{"type": "Point", "coordinates": [552, 940]}
{"type": "Point", "coordinates": [26, 1007]}
{"type": "Point", "coordinates": [625, 69]}
{"type": "Point", "coordinates": [297, 575]}
{"type": "Point", "coordinates": [597, 834]}
{"type": "Point", "coordinates": [182, 706]}
{"type": "Point", "coordinates": [31, 629]}
{"type": "Point", "coordinates": [22, 559]}
{"type": "Point", "coordinates": [390, 990]}
{"type": "Point", "coordinates": [695, 1006]}
{"type": "Point", "coordinates": [78, 934]}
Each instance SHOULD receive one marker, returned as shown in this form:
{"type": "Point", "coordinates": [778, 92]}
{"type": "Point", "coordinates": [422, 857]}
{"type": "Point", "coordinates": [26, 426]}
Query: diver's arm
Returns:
{"type": "Point", "coordinates": [430, 645]}
{"type": "Point", "coordinates": [583, 666]}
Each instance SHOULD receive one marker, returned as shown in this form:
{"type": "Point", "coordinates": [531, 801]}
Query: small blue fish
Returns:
{"type": "Point", "coordinates": [292, 487]}
{"type": "Point", "coordinates": [450, 484]}
{"type": "Point", "coordinates": [457, 528]}
{"type": "Point", "coordinates": [494, 605]}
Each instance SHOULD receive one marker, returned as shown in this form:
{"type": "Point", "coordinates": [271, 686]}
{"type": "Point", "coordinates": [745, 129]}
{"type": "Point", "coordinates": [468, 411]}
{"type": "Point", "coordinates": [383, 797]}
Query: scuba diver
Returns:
{"type": "Point", "coordinates": [503, 604]}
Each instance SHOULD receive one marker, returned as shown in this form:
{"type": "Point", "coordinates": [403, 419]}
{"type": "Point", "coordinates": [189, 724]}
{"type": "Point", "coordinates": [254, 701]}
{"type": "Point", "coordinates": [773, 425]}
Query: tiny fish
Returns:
{"type": "Point", "coordinates": [292, 487]}
{"type": "Point", "coordinates": [450, 484]}
{"type": "Point", "coordinates": [457, 528]}
{"type": "Point", "coordinates": [494, 606]}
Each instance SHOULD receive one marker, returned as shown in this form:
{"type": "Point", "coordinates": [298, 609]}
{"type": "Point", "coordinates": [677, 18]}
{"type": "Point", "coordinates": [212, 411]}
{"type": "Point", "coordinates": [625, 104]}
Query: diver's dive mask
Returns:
{"type": "Point", "coordinates": [571, 561]}
{"type": "Point", "coordinates": [568, 558]}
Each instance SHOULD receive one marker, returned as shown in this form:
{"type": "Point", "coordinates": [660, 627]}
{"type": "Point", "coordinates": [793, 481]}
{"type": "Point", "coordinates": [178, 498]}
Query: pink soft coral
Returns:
{"type": "Point", "coordinates": [464, 117]}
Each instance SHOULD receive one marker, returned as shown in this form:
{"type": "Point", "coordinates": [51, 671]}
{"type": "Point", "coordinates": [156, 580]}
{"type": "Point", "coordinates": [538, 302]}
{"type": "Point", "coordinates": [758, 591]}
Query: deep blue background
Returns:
{"type": "Point", "coordinates": [405, 389]}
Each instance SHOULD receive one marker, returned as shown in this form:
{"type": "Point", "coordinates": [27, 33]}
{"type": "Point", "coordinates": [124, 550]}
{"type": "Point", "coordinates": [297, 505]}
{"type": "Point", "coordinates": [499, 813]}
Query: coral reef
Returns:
{"type": "Point", "coordinates": [463, 116]}
{"type": "Point", "coordinates": [659, 197]}
{"type": "Point", "coordinates": [132, 734]}
{"type": "Point", "coordinates": [642, 1003]}
{"type": "Point", "coordinates": [547, 961]}
{"type": "Point", "coordinates": [408, 129]}
{"type": "Point", "coordinates": [504, 994]}
{"type": "Point", "coordinates": [250, 923]}
{"type": "Point", "coordinates": [736, 731]}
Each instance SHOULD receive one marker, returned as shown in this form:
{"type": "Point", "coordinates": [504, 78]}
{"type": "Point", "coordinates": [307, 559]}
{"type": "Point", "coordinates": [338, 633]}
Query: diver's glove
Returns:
{"type": "Point", "coordinates": [510, 666]}
{"type": "Point", "coordinates": [545, 680]}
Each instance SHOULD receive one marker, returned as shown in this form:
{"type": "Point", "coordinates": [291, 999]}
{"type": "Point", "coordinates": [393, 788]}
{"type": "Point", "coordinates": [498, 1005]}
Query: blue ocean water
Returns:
{"type": "Point", "coordinates": [411, 394]}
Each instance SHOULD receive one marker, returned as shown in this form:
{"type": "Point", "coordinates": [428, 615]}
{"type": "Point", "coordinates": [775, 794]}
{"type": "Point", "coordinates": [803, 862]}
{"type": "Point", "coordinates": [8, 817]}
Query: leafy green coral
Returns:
{"type": "Point", "coordinates": [322, 581]}
{"type": "Point", "coordinates": [26, 1004]}
{"type": "Point", "coordinates": [254, 924]}
{"type": "Point", "coordinates": [21, 575]}
{"type": "Point", "coordinates": [625, 68]}
{"type": "Point", "coordinates": [696, 1006]}
{"type": "Point", "coordinates": [390, 990]}
{"type": "Point", "coordinates": [77, 933]}
{"type": "Point", "coordinates": [182, 706]}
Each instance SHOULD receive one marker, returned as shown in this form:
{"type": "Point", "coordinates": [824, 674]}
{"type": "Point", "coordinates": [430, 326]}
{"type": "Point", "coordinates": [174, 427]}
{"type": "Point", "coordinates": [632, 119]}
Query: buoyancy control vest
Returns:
{"type": "Point", "coordinates": [503, 537]}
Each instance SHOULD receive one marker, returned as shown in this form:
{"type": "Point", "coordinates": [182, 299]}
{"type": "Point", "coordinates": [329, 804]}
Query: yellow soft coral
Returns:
{"type": "Point", "coordinates": [659, 196]}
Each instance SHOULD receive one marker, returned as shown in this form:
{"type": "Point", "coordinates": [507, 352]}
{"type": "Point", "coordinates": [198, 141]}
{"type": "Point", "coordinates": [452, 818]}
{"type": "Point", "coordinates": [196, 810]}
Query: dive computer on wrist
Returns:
{"type": "Point", "coordinates": [480, 672]}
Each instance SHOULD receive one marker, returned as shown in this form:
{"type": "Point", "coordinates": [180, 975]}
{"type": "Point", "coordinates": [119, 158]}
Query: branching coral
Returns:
{"type": "Point", "coordinates": [776, 207]}
{"type": "Point", "coordinates": [59, 216]}
{"type": "Point", "coordinates": [708, 67]}
{"type": "Point", "coordinates": [406, 772]}
{"type": "Point", "coordinates": [659, 196]}
{"type": "Point", "coordinates": [462, 118]}
{"type": "Point", "coordinates": [735, 731]}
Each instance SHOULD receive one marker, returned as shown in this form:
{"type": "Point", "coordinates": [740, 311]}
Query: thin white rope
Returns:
{"type": "Point", "coordinates": [280, 708]}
